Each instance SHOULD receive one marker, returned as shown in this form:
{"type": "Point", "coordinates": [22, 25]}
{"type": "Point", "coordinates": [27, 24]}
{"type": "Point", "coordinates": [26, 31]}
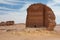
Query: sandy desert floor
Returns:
{"type": "Point", "coordinates": [19, 32]}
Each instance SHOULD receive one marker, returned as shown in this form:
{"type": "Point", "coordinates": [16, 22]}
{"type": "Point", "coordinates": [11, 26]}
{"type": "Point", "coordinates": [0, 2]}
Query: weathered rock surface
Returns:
{"type": "Point", "coordinates": [7, 23]}
{"type": "Point", "coordinates": [40, 15]}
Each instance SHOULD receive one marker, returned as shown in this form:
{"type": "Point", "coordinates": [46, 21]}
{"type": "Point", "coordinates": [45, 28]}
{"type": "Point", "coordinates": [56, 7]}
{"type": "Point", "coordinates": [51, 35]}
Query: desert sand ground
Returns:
{"type": "Point", "coordinates": [20, 32]}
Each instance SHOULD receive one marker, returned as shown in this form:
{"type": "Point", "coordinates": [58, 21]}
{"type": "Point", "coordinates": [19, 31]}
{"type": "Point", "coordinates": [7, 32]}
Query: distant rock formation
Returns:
{"type": "Point", "coordinates": [7, 23]}
{"type": "Point", "coordinates": [2, 24]}
{"type": "Point", "coordinates": [40, 15]}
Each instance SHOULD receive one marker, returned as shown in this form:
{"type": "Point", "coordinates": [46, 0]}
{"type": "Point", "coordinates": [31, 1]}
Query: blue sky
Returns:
{"type": "Point", "coordinates": [16, 9]}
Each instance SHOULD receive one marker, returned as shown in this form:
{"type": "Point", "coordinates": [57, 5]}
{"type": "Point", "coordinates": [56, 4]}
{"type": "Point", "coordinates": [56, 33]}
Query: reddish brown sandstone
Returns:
{"type": "Point", "coordinates": [9, 23]}
{"type": "Point", "coordinates": [2, 24]}
{"type": "Point", "coordinates": [40, 15]}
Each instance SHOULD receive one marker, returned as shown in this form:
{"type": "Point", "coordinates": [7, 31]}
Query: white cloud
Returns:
{"type": "Point", "coordinates": [7, 8]}
{"type": "Point", "coordinates": [18, 17]}
{"type": "Point", "coordinates": [8, 2]}
{"type": "Point", "coordinates": [15, 16]}
{"type": "Point", "coordinates": [56, 1]}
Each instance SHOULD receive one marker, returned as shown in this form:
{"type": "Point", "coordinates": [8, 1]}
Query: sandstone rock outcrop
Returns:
{"type": "Point", "coordinates": [7, 23]}
{"type": "Point", "coordinates": [2, 24]}
{"type": "Point", "coordinates": [40, 15]}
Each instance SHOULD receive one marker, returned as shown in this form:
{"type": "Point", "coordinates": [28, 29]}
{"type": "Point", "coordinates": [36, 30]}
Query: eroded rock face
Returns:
{"type": "Point", "coordinates": [40, 15]}
{"type": "Point", "coordinates": [7, 23]}
{"type": "Point", "coordinates": [51, 18]}
{"type": "Point", "coordinates": [2, 24]}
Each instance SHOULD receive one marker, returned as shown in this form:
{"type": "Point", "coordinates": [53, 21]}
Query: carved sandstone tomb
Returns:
{"type": "Point", "coordinates": [40, 15]}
